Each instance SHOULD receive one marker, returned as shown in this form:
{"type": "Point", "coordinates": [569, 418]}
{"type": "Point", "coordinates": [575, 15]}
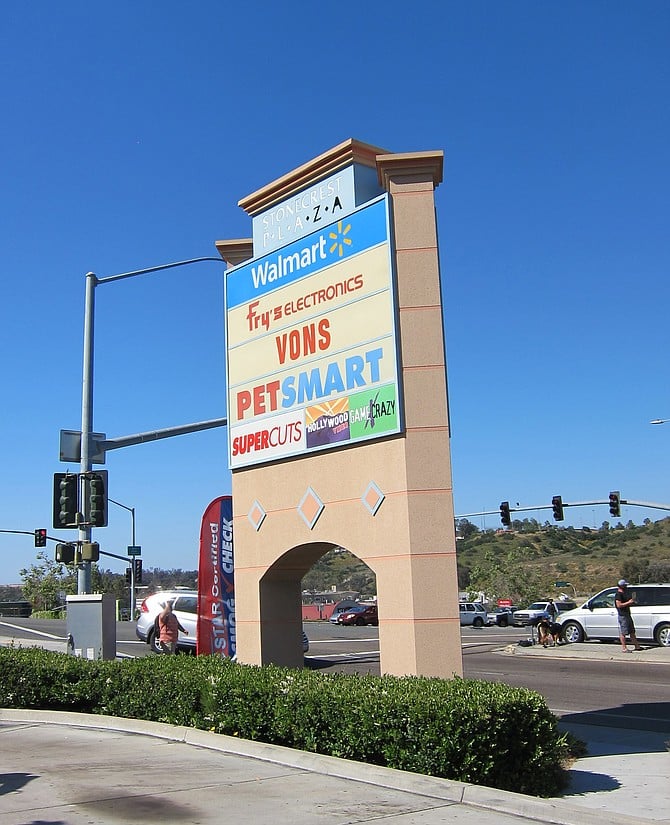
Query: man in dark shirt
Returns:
{"type": "Point", "coordinates": [623, 602]}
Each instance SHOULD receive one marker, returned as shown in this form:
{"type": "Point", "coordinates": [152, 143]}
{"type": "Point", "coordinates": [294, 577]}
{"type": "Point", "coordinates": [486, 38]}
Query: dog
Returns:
{"type": "Point", "coordinates": [548, 632]}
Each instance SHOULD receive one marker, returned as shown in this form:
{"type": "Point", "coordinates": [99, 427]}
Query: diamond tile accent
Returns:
{"type": "Point", "coordinates": [256, 515]}
{"type": "Point", "coordinates": [372, 498]}
{"type": "Point", "coordinates": [310, 508]}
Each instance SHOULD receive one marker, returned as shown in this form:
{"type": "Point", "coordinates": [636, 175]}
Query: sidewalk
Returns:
{"type": "Point", "coordinates": [593, 650]}
{"type": "Point", "coordinates": [75, 769]}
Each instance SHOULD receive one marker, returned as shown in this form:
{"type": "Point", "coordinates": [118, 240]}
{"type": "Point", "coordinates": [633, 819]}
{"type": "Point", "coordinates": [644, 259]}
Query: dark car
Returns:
{"type": "Point", "coordinates": [503, 616]}
{"type": "Point", "coordinates": [362, 614]}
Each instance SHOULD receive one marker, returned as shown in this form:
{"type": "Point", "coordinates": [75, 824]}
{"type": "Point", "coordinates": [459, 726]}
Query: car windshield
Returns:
{"type": "Point", "coordinates": [537, 606]}
{"type": "Point", "coordinates": [358, 609]}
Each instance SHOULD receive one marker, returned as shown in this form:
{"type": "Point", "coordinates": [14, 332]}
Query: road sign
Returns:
{"type": "Point", "coordinates": [70, 447]}
{"type": "Point", "coordinates": [134, 550]}
{"type": "Point", "coordinates": [561, 584]}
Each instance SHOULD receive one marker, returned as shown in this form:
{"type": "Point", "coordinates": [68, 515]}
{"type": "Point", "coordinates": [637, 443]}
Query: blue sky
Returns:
{"type": "Point", "coordinates": [132, 129]}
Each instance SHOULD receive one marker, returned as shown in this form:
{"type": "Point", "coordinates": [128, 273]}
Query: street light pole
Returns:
{"type": "Point", "coordinates": [131, 510]}
{"type": "Point", "coordinates": [84, 571]}
{"type": "Point", "coordinates": [85, 466]}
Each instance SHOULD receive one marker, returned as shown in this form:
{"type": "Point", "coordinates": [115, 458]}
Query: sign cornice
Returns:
{"type": "Point", "coordinates": [348, 152]}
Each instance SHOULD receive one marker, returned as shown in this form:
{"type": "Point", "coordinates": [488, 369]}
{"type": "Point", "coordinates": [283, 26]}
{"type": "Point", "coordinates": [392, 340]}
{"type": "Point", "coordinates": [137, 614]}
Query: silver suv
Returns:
{"type": "Point", "coordinates": [473, 613]}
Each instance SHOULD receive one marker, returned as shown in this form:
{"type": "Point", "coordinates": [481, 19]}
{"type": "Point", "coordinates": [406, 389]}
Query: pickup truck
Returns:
{"type": "Point", "coordinates": [533, 613]}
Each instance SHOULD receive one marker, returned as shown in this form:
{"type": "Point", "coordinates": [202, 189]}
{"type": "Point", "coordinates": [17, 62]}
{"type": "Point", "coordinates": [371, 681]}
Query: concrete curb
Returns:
{"type": "Point", "coordinates": [591, 650]}
{"type": "Point", "coordinates": [552, 812]}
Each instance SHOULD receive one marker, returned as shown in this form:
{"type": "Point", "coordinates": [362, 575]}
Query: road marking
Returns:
{"type": "Point", "coordinates": [36, 632]}
{"type": "Point", "coordinates": [343, 655]}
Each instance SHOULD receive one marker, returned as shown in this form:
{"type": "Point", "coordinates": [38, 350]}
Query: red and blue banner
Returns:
{"type": "Point", "coordinates": [216, 583]}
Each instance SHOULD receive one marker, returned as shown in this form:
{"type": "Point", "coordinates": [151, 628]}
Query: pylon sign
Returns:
{"type": "Point", "coordinates": [312, 357]}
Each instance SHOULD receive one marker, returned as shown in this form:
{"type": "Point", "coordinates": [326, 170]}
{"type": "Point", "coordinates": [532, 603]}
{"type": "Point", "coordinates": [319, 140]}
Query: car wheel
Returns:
{"type": "Point", "coordinates": [503, 622]}
{"type": "Point", "coordinates": [154, 642]}
{"type": "Point", "coordinates": [360, 622]}
{"type": "Point", "coordinates": [662, 635]}
{"type": "Point", "coordinates": [478, 622]}
{"type": "Point", "coordinates": [572, 632]}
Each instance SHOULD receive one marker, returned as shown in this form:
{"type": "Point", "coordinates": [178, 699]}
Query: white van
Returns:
{"type": "Point", "coordinates": [597, 618]}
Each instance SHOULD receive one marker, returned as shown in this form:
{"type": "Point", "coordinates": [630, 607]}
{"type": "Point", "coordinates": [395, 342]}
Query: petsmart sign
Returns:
{"type": "Point", "coordinates": [312, 353]}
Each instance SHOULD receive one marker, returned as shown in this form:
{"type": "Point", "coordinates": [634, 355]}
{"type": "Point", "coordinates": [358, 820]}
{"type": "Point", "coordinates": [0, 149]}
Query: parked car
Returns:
{"type": "Point", "coordinates": [597, 618]}
{"type": "Point", "coordinates": [532, 614]}
{"type": "Point", "coordinates": [502, 616]}
{"type": "Point", "coordinates": [185, 607]}
{"type": "Point", "coordinates": [341, 607]}
{"type": "Point", "coordinates": [362, 614]}
{"type": "Point", "coordinates": [473, 613]}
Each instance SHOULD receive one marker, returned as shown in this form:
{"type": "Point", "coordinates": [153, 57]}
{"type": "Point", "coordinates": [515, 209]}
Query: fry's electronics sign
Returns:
{"type": "Point", "coordinates": [311, 328]}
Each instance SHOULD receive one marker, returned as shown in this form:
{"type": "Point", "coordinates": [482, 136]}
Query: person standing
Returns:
{"type": "Point", "coordinates": [552, 610]}
{"type": "Point", "coordinates": [623, 602]}
{"type": "Point", "coordinates": [169, 626]}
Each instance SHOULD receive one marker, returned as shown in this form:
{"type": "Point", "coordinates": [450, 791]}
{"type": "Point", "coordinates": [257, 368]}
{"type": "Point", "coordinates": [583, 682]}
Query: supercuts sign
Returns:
{"type": "Point", "coordinates": [312, 353]}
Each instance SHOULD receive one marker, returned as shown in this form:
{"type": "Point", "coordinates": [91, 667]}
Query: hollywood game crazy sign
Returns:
{"type": "Point", "coordinates": [311, 354]}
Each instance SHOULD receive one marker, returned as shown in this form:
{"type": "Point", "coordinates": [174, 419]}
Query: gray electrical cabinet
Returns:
{"type": "Point", "coordinates": [91, 626]}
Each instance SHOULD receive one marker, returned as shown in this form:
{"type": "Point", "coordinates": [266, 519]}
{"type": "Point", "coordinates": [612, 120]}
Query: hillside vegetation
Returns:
{"type": "Point", "coordinates": [525, 562]}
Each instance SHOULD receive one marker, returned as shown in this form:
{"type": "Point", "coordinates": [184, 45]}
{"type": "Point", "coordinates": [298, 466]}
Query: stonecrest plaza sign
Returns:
{"type": "Point", "coordinates": [311, 352]}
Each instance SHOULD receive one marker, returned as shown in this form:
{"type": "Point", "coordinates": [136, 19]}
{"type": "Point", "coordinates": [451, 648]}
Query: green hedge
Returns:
{"type": "Point", "coordinates": [472, 731]}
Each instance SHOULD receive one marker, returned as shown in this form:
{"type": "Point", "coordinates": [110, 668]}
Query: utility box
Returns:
{"type": "Point", "coordinates": [91, 626]}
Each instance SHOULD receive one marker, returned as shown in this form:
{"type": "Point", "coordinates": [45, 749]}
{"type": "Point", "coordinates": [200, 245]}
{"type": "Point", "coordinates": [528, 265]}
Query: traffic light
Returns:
{"type": "Point", "coordinates": [90, 551]}
{"type": "Point", "coordinates": [40, 538]}
{"type": "Point", "coordinates": [557, 506]}
{"type": "Point", "coordinates": [95, 498]}
{"type": "Point", "coordinates": [129, 574]}
{"type": "Point", "coordinates": [65, 553]}
{"type": "Point", "coordinates": [615, 504]}
{"type": "Point", "coordinates": [505, 516]}
{"type": "Point", "coordinates": [138, 571]}
{"type": "Point", "coordinates": [65, 499]}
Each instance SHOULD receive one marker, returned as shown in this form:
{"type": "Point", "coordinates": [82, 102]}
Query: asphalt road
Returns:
{"type": "Point", "coordinates": [599, 692]}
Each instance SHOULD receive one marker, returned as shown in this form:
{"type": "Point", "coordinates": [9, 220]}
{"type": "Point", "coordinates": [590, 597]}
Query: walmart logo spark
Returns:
{"type": "Point", "coordinates": [339, 239]}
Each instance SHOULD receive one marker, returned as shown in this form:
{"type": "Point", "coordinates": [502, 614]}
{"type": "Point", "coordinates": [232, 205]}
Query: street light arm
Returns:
{"type": "Point", "coordinates": [150, 269]}
{"type": "Point", "coordinates": [155, 435]}
{"type": "Point", "coordinates": [92, 280]}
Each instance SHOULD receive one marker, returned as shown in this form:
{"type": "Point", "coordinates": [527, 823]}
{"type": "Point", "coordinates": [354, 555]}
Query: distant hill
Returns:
{"type": "Point", "coordinates": [588, 559]}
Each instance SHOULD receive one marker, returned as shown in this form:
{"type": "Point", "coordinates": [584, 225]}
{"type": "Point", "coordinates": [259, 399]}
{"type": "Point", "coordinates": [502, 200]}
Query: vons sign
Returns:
{"type": "Point", "coordinates": [312, 356]}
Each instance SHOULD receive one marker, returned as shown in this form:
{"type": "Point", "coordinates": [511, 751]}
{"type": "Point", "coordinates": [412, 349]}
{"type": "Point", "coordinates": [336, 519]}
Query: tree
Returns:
{"type": "Point", "coordinates": [44, 582]}
{"type": "Point", "coordinates": [465, 528]}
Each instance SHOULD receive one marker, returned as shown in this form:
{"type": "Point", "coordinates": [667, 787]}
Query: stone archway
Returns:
{"type": "Point", "coordinates": [280, 603]}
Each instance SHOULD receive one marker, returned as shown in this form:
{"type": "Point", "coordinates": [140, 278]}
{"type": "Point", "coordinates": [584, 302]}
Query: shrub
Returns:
{"type": "Point", "coordinates": [467, 730]}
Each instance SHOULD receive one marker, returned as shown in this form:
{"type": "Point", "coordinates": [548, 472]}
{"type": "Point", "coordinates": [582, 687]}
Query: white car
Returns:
{"type": "Point", "coordinates": [185, 608]}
